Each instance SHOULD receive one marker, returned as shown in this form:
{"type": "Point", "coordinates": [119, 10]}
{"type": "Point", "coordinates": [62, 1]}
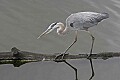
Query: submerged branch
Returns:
{"type": "Point", "coordinates": [18, 57]}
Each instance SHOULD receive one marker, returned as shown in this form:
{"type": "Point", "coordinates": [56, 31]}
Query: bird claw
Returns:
{"type": "Point", "coordinates": [89, 56]}
{"type": "Point", "coordinates": [60, 57]}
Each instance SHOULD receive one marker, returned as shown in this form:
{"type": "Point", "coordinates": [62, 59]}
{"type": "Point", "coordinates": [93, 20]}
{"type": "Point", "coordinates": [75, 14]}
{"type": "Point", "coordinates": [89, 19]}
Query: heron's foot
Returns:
{"type": "Point", "coordinates": [60, 57]}
{"type": "Point", "coordinates": [89, 56]}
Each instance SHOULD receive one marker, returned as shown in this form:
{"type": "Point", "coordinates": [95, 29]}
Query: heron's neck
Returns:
{"type": "Point", "coordinates": [62, 30]}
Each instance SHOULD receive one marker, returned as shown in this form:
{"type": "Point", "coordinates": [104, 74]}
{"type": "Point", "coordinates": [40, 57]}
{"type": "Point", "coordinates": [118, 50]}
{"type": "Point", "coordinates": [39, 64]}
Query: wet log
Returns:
{"type": "Point", "coordinates": [18, 57]}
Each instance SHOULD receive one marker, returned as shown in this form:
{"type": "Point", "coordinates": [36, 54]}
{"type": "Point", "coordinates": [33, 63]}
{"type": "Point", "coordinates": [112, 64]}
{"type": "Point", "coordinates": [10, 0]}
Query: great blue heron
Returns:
{"type": "Point", "coordinates": [77, 22]}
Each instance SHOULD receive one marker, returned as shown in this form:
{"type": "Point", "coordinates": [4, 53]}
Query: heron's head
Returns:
{"type": "Point", "coordinates": [56, 25]}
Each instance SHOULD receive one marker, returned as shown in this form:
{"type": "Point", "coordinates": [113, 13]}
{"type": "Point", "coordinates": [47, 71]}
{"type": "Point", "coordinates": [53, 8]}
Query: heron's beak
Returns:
{"type": "Point", "coordinates": [44, 33]}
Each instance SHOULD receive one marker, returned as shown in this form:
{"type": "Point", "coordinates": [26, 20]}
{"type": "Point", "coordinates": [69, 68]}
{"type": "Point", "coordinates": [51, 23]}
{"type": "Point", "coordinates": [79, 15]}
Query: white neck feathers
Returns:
{"type": "Point", "coordinates": [61, 29]}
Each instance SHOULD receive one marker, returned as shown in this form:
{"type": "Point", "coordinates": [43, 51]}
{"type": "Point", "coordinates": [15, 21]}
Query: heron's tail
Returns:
{"type": "Point", "coordinates": [105, 15]}
{"type": "Point", "coordinates": [102, 16]}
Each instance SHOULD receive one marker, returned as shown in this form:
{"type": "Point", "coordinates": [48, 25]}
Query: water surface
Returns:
{"type": "Point", "coordinates": [21, 22]}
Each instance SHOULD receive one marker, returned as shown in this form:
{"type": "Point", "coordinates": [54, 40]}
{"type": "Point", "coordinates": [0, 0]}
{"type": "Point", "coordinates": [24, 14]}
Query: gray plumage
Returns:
{"type": "Point", "coordinates": [77, 21]}
{"type": "Point", "coordinates": [85, 20]}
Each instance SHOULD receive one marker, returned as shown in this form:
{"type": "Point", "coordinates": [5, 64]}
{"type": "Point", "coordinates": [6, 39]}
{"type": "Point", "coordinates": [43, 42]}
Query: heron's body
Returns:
{"type": "Point", "coordinates": [84, 20]}
{"type": "Point", "coordinates": [78, 21]}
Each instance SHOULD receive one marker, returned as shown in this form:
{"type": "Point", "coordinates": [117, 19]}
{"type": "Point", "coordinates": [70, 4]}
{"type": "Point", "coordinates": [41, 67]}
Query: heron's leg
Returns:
{"type": "Point", "coordinates": [63, 54]}
{"type": "Point", "coordinates": [93, 38]}
{"type": "Point", "coordinates": [91, 63]}
{"type": "Point", "coordinates": [75, 69]}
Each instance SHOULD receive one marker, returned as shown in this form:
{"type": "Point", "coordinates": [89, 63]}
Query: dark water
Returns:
{"type": "Point", "coordinates": [21, 22]}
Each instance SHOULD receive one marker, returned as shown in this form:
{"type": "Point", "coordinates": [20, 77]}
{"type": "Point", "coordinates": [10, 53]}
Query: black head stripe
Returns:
{"type": "Point", "coordinates": [54, 24]}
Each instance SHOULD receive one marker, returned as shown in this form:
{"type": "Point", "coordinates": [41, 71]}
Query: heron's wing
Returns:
{"type": "Point", "coordinates": [92, 19]}
{"type": "Point", "coordinates": [85, 20]}
{"type": "Point", "coordinates": [96, 17]}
